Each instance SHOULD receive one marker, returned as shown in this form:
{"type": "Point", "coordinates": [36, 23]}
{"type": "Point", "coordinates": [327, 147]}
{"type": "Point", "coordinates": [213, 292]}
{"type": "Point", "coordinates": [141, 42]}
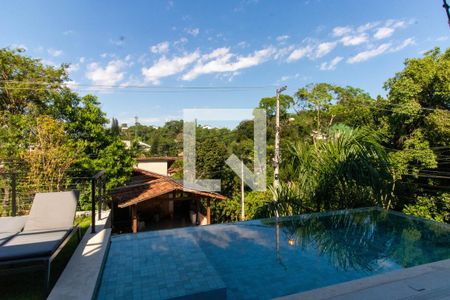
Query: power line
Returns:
{"type": "Point", "coordinates": [153, 87]}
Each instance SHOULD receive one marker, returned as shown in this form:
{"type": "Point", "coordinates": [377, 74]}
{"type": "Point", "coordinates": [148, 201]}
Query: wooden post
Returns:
{"type": "Point", "coordinates": [208, 211]}
{"type": "Point", "coordinates": [134, 221]}
{"type": "Point", "coordinates": [197, 218]}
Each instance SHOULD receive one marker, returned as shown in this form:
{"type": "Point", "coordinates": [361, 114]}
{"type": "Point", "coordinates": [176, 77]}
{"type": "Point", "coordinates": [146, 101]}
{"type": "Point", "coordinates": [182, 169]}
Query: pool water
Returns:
{"type": "Point", "coordinates": [263, 259]}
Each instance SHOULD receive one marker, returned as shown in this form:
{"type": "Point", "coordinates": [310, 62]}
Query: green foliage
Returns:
{"type": "Point", "coordinates": [416, 125]}
{"type": "Point", "coordinates": [348, 169]}
{"type": "Point", "coordinates": [340, 147]}
{"type": "Point", "coordinates": [52, 154]}
{"type": "Point", "coordinates": [256, 206]}
{"type": "Point", "coordinates": [434, 208]}
{"type": "Point", "coordinates": [316, 97]}
{"type": "Point", "coordinates": [27, 85]}
{"type": "Point", "coordinates": [269, 104]}
{"type": "Point", "coordinates": [45, 128]}
{"type": "Point", "coordinates": [353, 107]}
{"type": "Point", "coordinates": [115, 129]}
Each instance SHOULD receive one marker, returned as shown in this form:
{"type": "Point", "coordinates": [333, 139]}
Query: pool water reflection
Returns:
{"type": "Point", "coordinates": [262, 259]}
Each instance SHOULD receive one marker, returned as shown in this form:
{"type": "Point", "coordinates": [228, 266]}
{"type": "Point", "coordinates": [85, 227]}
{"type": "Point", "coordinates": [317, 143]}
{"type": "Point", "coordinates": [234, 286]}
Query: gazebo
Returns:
{"type": "Point", "coordinates": [152, 200]}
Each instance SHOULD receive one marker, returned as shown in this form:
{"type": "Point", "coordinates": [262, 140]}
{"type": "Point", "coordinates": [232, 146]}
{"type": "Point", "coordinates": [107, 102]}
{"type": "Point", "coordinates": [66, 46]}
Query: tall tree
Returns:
{"type": "Point", "coordinates": [115, 129]}
{"type": "Point", "coordinates": [50, 155]}
{"type": "Point", "coordinates": [316, 97]}
{"type": "Point", "coordinates": [416, 123]}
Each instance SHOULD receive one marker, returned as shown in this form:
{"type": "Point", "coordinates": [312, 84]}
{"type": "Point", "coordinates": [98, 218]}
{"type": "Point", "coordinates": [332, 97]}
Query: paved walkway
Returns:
{"type": "Point", "coordinates": [429, 281]}
{"type": "Point", "coordinates": [79, 279]}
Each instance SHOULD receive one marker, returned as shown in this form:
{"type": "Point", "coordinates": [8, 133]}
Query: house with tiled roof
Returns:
{"type": "Point", "coordinates": [155, 201]}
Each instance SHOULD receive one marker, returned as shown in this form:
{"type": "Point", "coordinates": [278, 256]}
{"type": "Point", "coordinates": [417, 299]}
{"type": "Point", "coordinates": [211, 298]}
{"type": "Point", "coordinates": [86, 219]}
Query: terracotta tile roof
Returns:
{"type": "Point", "coordinates": [148, 173]}
{"type": "Point", "coordinates": [169, 159]}
{"type": "Point", "coordinates": [135, 193]}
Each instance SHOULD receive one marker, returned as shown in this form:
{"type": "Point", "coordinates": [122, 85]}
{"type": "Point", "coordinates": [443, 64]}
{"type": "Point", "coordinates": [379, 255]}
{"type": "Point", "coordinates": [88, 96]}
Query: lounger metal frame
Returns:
{"type": "Point", "coordinates": [11, 265]}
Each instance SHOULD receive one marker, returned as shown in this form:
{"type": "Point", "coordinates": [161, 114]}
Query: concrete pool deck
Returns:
{"type": "Point", "coordinates": [428, 281]}
{"type": "Point", "coordinates": [79, 278]}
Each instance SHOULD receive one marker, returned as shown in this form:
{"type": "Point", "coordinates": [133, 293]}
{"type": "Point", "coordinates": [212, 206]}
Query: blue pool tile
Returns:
{"type": "Point", "coordinates": [253, 260]}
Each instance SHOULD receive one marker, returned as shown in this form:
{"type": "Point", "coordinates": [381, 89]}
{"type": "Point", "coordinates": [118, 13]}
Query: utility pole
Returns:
{"type": "Point", "coordinates": [277, 158]}
{"type": "Point", "coordinates": [135, 127]}
{"type": "Point", "coordinates": [242, 191]}
{"type": "Point", "coordinates": [446, 6]}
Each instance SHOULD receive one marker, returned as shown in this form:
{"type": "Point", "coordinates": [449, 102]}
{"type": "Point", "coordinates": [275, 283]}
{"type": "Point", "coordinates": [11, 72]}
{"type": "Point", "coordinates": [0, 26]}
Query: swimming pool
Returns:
{"type": "Point", "coordinates": [263, 259]}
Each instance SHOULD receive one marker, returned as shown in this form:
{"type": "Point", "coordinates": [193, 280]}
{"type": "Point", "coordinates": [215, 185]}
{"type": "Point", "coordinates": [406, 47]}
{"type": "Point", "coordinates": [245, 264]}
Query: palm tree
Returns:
{"type": "Point", "coordinates": [347, 169]}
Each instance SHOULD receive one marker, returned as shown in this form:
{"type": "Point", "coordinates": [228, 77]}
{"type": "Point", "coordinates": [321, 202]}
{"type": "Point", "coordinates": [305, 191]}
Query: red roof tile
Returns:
{"type": "Point", "coordinates": [135, 193]}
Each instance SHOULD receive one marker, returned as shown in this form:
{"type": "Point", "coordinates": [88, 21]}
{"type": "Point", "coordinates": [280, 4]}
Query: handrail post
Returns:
{"type": "Point", "coordinates": [99, 198]}
{"type": "Point", "coordinates": [93, 205]}
{"type": "Point", "coordinates": [103, 187]}
{"type": "Point", "coordinates": [13, 194]}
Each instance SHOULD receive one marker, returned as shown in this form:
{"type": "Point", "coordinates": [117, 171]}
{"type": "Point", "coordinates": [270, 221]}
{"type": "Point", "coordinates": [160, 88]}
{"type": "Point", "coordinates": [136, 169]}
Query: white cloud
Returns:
{"type": "Point", "coordinates": [49, 62]}
{"type": "Point", "coordinates": [243, 44]}
{"type": "Point", "coordinates": [367, 27]}
{"type": "Point", "coordinates": [160, 48]}
{"type": "Point", "coordinates": [21, 46]}
{"type": "Point", "coordinates": [383, 32]}
{"type": "Point", "coordinates": [330, 66]}
{"type": "Point", "coordinates": [68, 32]}
{"type": "Point", "coordinates": [397, 23]}
{"type": "Point", "coordinates": [284, 51]}
{"type": "Point", "coordinates": [296, 77]}
{"type": "Point", "coordinates": [82, 59]}
{"type": "Point", "coordinates": [167, 67]}
{"type": "Point", "coordinates": [354, 40]}
{"type": "Point", "coordinates": [119, 42]}
{"type": "Point", "coordinates": [442, 38]}
{"type": "Point", "coordinates": [111, 74]}
{"type": "Point", "coordinates": [368, 54]}
{"type": "Point", "coordinates": [180, 43]}
{"type": "Point", "coordinates": [341, 31]}
{"type": "Point", "coordinates": [282, 38]}
{"type": "Point", "coordinates": [299, 53]}
{"type": "Point", "coordinates": [325, 48]}
{"type": "Point", "coordinates": [387, 30]}
{"type": "Point", "coordinates": [192, 31]}
{"type": "Point", "coordinates": [132, 81]}
{"type": "Point", "coordinates": [221, 60]}
{"type": "Point", "coordinates": [310, 51]}
{"type": "Point", "coordinates": [404, 44]}
{"type": "Point", "coordinates": [71, 84]}
{"type": "Point", "coordinates": [73, 68]}
{"type": "Point", "coordinates": [55, 52]}
{"type": "Point", "coordinates": [141, 120]}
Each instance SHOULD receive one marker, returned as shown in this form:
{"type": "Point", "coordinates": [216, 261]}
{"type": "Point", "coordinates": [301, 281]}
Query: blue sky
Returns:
{"type": "Point", "coordinates": [139, 56]}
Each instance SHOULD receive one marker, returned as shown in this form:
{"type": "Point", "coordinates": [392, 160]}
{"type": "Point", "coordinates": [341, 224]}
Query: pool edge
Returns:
{"type": "Point", "coordinates": [378, 285]}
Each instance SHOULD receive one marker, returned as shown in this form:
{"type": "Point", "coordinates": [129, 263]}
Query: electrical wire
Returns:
{"type": "Point", "coordinates": [152, 87]}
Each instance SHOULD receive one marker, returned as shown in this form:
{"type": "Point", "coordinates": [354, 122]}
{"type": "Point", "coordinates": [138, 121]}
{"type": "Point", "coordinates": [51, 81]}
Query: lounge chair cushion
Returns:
{"type": "Point", "coordinates": [9, 226]}
{"type": "Point", "coordinates": [12, 224]}
{"type": "Point", "coordinates": [31, 244]}
{"type": "Point", "coordinates": [52, 210]}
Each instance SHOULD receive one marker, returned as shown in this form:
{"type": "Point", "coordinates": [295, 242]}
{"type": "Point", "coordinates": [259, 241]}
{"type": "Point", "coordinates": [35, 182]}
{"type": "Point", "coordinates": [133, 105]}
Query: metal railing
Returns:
{"type": "Point", "coordinates": [17, 191]}
{"type": "Point", "coordinates": [98, 182]}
